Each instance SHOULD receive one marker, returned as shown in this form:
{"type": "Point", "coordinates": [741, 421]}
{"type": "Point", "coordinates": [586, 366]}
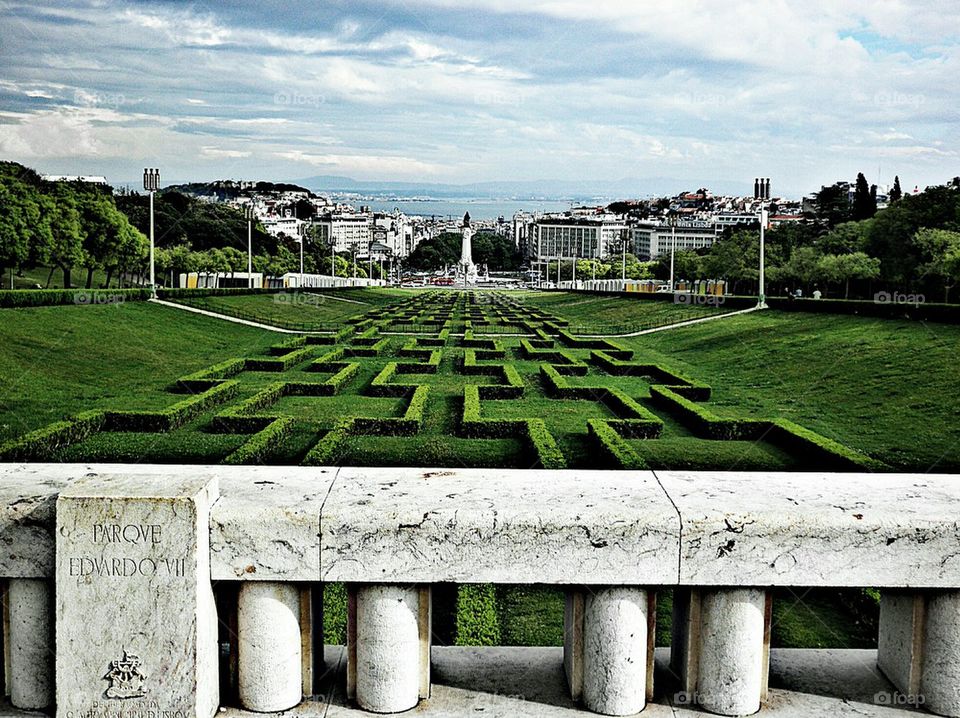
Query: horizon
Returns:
{"type": "Point", "coordinates": [461, 93]}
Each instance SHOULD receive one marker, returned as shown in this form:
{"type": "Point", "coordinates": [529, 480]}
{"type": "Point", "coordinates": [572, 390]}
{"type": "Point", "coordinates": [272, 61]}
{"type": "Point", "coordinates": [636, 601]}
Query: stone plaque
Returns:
{"type": "Point", "coordinates": [136, 621]}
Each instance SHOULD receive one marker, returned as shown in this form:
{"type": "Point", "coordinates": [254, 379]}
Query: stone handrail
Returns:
{"type": "Point", "coordinates": [722, 540]}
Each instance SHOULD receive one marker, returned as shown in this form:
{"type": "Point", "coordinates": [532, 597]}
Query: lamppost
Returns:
{"type": "Point", "coordinates": [248, 211]}
{"type": "Point", "coordinates": [673, 250]}
{"type": "Point", "coordinates": [332, 243]}
{"type": "Point", "coordinates": [761, 295]}
{"type": "Point", "coordinates": [303, 239]}
{"type": "Point", "coordinates": [151, 183]}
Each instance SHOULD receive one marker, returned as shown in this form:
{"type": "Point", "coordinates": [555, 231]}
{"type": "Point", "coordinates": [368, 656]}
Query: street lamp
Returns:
{"type": "Point", "coordinates": [151, 183]}
{"type": "Point", "coordinates": [332, 243]}
{"type": "Point", "coordinates": [762, 298]}
{"type": "Point", "coordinates": [248, 211]}
{"type": "Point", "coordinates": [303, 240]}
{"type": "Point", "coordinates": [673, 250]}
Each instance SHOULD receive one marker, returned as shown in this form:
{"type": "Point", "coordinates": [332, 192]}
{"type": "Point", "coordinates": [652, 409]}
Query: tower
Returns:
{"type": "Point", "coordinates": [467, 269]}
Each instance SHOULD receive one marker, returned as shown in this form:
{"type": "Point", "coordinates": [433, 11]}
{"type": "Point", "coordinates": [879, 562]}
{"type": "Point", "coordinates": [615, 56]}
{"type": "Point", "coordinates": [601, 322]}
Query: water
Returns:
{"type": "Point", "coordinates": [478, 209]}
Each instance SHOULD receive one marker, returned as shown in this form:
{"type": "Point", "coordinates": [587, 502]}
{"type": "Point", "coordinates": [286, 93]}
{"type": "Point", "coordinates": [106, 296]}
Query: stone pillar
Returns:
{"type": "Point", "coordinates": [616, 650]}
{"type": "Point", "coordinates": [135, 615]}
{"type": "Point", "coordinates": [919, 648]}
{"type": "Point", "coordinates": [721, 646]}
{"type": "Point", "coordinates": [30, 643]}
{"type": "Point", "coordinates": [388, 646]}
{"type": "Point", "coordinates": [269, 646]}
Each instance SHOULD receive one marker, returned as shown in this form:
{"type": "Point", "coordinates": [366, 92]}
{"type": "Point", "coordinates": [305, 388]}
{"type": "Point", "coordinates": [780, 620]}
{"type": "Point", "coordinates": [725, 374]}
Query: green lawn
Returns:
{"type": "Point", "coordinates": [888, 388]}
{"type": "Point", "coordinates": [300, 310]}
{"type": "Point", "coordinates": [597, 314]}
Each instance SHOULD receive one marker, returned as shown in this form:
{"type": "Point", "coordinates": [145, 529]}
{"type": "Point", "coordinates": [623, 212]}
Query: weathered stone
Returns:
{"type": "Point", "coordinates": [391, 635]}
{"type": "Point", "coordinates": [940, 680]}
{"type": "Point", "coordinates": [30, 607]}
{"type": "Point", "coordinates": [615, 650]}
{"type": "Point", "coordinates": [136, 621]}
{"type": "Point", "coordinates": [269, 648]}
{"type": "Point", "coordinates": [810, 529]}
{"type": "Point", "coordinates": [28, 500]}
{"type": "Point", "coordinates": [732, 656]}
{"type": "Point", "coordinates": [417, 526]}
{"type": "Point", "coordinates": [265, 525]}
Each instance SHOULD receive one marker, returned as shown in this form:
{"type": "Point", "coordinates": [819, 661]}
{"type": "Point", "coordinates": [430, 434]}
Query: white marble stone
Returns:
{"type": "Point", "coordinates": [30, 610]}
{"type": "Point", "coordinates": [817, 529]}
{"type": "Point", "coordinates": [572, 527]}
{"type": "Point", "coordinates": [940, 680]}
{"type": "Point", "coordinates": [899, 645]}
{"type": "Point", "coordinates": [28, 499]}
{"type": "Point", "coordinates": [388, 648]}
{"type": "Point", "coordinates": [615, 644]}
{"type": "Point", "coordinates": [731, 672]}
{"type": "Point", "coordinates": [269, 648]}
{"type": "Point", "coordinates": [266, 523]}
{"type": "Point", "coordinates": [135, 615]}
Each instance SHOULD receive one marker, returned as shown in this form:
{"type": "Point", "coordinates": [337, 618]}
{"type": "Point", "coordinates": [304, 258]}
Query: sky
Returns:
{"type": "Point", "coordinates": [459, 91]}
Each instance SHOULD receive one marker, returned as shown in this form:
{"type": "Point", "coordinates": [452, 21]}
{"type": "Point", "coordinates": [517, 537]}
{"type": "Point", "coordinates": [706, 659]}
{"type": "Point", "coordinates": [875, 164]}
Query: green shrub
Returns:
{"type": "Point", "coordinates": [285, 347]}
{"type": "Point", "coordinates": [19, 298]}
{"type": "Point", "coordinates": [544, 445]}
{"type": "Point", "coordinates": [477, 620]}
{"type": "Point", "coordinates": [211, 376]}
{"type": "Point", "coordinates": [278, 364]}
{"type": "Point", "coordinates": [173, 416]}
{"type": "Point", "coordinates": [613, 447]}
{"type": "Point", "coordinates": [327, 451]}
{"type": "Point", "coordinates": [37, 445]}
{"type": "Point", "coordinates": [258, 448]}
{"type": "Point", "coordinates": [813, 446]}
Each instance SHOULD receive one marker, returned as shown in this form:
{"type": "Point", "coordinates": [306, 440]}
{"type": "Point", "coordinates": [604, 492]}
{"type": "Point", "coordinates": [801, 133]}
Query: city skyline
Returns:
{"type": "Point", "coordinates": [458, 93]}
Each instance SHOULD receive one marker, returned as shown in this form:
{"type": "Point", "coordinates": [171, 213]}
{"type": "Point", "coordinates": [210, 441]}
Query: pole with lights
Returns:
{"type": "Point", "coordinates": [248, 212]}
{"type": "Point", "coordinates": [761, 192]}
{"type": "Point", "coordinates": [673, 250]}
{"type": "Point", "coordinates": [303, 240]}
{"type": "Point", "coordinates": [151, 183]}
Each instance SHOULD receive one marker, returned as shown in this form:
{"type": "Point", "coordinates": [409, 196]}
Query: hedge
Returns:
{"type": "Point", "coordinates": [795, 438]}
{"type": "Point", "coordinates": [173, 416]}
{"type": "Point", "coordinates": [477, 623]}
{"type": "Point", "coordinates": [20, 298]}
{"type": "Point", "coordinates": [326, 451]}
{"type": "Point", "coordinates": [211, 376]}
{"type": "Point", "coordinates": [195, 293]}
{"type": "Point", "coordinates": [285, 347]}
{"type": "Point", "coordinates": [40, 443]}
{"type": "Point", "coordinates": [428, 367]}
{"type": "Point", "coordinates": [703, 421]}
{"type": "Point", "coordinates": [548, 453]}
{"type": "Point", "coordinates": [328, 362]}
{"type": "Point", "coordinates": [372, 350]}
{"type": "Point", "coordinates": [408, 425]}
{"type": "Point", "coordinates": [261, 445]}
{"type": "Point", "coordinates": [613, 446]}
{"type": "Point", "coordinates": [923, 311]}
{"type": "Point", "coordinates": [279, 364]}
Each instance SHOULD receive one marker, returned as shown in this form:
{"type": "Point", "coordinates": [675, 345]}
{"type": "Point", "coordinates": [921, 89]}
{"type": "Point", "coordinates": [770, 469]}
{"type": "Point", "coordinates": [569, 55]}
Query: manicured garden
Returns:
{"type": "Point", "coordinates": [489, 380]}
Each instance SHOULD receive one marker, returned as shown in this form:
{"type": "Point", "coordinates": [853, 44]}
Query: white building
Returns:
{"type": "Point", "coordinates": [593, 237]}
{"type": "Point", "coordinates": [349, 231]}
{"type": "Point", "coordinates": [651, 239]}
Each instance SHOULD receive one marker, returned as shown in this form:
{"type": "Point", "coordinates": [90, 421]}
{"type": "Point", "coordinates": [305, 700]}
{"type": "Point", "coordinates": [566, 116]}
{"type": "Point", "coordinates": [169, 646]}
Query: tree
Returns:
{"type": "Point", "coordinates": [864, 205]}
{"type": "Point", "coordinates": [941, 249]}
{"type": "Point", "coordinates": [20, 215]}
{"type": "Point", "coordinates": [66, 236]}
{"type": "Point", "coordinates": [896, 193]}
{"type": "Point", "coordinates": [844, 238]}
{"type": "Point", "coordinates": [833, 204]}
{"type": "Point", "coordinates": [841, 268]}
{"type": "Point", "coordinates": [735, 259]}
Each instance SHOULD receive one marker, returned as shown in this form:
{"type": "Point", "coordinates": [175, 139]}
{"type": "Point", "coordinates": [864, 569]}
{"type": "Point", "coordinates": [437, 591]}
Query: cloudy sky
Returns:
{"type": "Point", "coordinates": [806, 91]}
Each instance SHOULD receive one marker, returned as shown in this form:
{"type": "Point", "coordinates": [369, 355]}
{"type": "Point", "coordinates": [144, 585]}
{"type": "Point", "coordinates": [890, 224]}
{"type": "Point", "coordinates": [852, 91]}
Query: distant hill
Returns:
{"type": "Point", "coordinates": [231, 189]}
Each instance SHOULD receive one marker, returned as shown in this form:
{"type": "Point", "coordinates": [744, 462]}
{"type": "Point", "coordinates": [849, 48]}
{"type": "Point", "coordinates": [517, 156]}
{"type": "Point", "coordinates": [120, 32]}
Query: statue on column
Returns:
{"type": "Point", "coordinates": [466, 269]}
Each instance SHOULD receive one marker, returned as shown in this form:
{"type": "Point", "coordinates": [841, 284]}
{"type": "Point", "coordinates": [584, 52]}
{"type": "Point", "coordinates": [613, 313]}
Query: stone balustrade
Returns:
{"type": "Point", "coordinates": [120, 561]}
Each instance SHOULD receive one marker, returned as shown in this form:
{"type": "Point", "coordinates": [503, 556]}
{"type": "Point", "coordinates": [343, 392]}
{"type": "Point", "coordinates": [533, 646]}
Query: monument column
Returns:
{"type": "Point", "coordinates": [135, 615]}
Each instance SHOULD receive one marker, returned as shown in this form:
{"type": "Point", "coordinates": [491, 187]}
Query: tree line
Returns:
{"type": "Point", "coordinates": [846, 248]}
{"type": "Point", "coordinates": [67, 226]}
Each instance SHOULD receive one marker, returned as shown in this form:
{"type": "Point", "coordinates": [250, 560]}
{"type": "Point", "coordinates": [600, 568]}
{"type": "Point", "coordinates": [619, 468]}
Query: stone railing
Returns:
{"type": "Point", "coordinates": [119, 562]}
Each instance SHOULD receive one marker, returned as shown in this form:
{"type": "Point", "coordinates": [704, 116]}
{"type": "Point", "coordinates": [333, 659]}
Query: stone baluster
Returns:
{"type": "Point", "coordinates": [608, 648]}
{"type": "Point", "coordinates": [270, 650]}
{"type": "Point", "coordinates": [919, 647]}
{"type": "Point", "coordinates": [30, 643]}
{"type": "Point", "coordinates": [388, 646]}
{"type": "Point", "coordinates": [721, 647]}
